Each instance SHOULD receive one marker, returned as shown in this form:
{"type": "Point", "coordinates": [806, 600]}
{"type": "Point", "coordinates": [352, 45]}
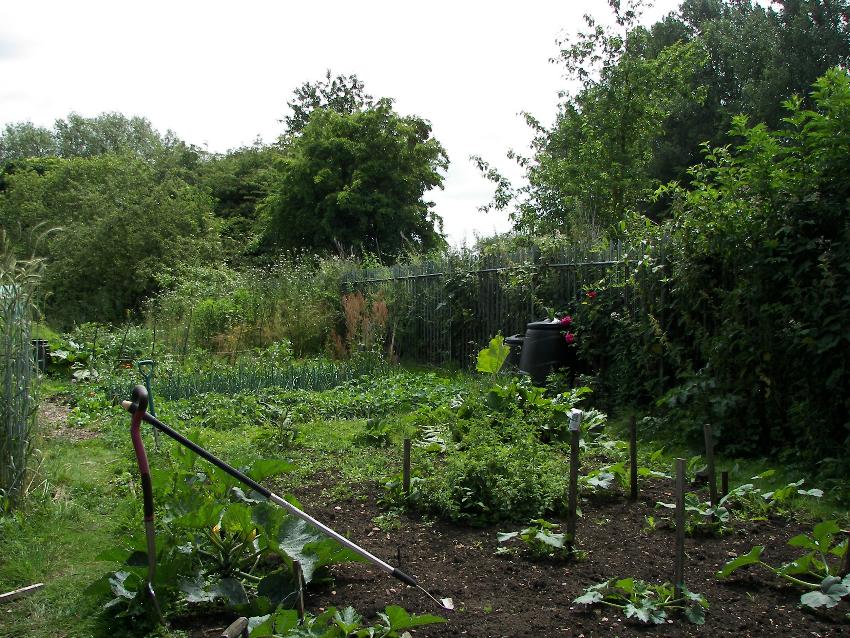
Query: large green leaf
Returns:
{"type": "Point", "coordinates": [750, 558]}
{"type": "Point", "coordinates": [696, 614]}
{"type": "Point", "coordinates": [491, 358]}
{"type": "Point", "coordinates": [589, 597]}
{"type": "Point", "coordinates": [304, 543]}
{"type": "Point", "coordinates": [398, 618]}
{"type": "Point", "coordinates": [231, 590]}
{"type": "Point", "coordinates": [279, 587]}
{"type": "Point", "coordinates": [261, 469]}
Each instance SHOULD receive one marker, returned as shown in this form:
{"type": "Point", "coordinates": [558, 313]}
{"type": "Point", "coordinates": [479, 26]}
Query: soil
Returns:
{"type": "Point", "coordinates": [498, 596]}
{"type": "Point", "coordinates": [53, 422]}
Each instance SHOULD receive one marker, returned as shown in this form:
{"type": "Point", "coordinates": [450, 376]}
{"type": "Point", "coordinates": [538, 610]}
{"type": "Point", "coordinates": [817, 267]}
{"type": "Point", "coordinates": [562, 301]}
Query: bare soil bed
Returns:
{"type": "Point", "coordinates": [497, 596]}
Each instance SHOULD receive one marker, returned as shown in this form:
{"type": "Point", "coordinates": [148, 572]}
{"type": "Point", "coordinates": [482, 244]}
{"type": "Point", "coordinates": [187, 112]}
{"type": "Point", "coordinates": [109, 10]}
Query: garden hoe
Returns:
{"type": "Point", "coordinates": [138, 406]}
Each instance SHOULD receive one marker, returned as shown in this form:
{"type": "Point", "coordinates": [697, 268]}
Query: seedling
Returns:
{"type": "Point", "coordinates": [814, 571]}
{"type": "Point", "coordinates": [648, 604]}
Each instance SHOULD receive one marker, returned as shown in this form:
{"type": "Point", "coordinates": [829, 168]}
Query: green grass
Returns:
{"type": "Point", "coordinates": [79, 509]}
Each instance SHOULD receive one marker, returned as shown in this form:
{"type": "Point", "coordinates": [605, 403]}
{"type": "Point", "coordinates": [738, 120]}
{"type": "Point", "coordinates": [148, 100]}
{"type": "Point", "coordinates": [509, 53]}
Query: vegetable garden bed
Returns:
{"type": "Point", "coordinates": [496, 595]}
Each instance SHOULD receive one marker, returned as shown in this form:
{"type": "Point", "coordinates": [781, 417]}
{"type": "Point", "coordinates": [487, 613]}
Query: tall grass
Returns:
{"type": "Point", "coordinates": [18, 285]}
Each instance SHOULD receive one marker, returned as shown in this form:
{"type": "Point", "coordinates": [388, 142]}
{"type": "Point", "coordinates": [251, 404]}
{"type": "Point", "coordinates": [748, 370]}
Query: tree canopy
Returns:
{"type": "Point", "coordinates": [357, 181]}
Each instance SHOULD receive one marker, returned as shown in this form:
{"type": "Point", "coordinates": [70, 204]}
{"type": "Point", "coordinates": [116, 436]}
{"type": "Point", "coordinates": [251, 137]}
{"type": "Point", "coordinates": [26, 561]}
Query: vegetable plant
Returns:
{"type": "Point", "coordinates": [338, 624]}
{"type": "Point", "coordinates": [644, 602]}
{"type": "Point", "coordinates": [815, 570]}
{"type": "Point", "coordinates": [540, 540]}
{"type": "Point", "coordinates": [701, 518]}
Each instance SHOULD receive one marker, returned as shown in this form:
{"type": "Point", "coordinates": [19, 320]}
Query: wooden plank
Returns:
{"type": "Point", "coordinates": [20, 593]}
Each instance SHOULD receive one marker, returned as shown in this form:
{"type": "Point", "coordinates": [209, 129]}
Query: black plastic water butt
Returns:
{"type": "Point", "coordinates": [544, 350]}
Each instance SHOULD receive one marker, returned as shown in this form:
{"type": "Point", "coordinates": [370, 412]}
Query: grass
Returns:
{"type": "Point", "coordinates": [80, 509]}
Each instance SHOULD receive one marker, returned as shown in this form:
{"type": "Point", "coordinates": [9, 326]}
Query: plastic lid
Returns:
{"type": "Point", "coordinates": [546, 324]}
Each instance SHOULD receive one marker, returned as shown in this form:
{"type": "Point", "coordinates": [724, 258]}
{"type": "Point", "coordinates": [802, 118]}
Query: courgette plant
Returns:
{"type": "Point", "coordinates": [335, 624]}
{"type": "Point", "coordinates": [816, 570]}
{"type": "Point", "coordinates": [540, 540]}
{"type": "Point", "coordinates": [646, 603]}
{"type": "Point", "coordinates": [215, 542]}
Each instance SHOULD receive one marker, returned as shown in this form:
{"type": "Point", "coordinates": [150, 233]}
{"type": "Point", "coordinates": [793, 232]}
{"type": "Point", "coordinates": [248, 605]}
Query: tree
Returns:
{"type": "Point", "coordinates": [357, 180]}
{"type": "Point", "coordinates": [592, 167]}
{"type": "Point", "coordinates": [24, 139]}
{"type": "Point", "coordinates": [238, 181]}
{"type": "Point", "coordinates": [119, 221]}
{"type": "Point", "coordinates": [757, 58]}
{"type": "Point", "coordinates": [344, 94]}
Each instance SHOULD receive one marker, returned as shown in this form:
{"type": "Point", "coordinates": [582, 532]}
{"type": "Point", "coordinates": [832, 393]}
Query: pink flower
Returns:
{"type": "Point", "coordinates": [569, 337]}
{"type": "Point", "coordinates": [591, 294]}
{"type": "Point", "coordinates": [566, 321]}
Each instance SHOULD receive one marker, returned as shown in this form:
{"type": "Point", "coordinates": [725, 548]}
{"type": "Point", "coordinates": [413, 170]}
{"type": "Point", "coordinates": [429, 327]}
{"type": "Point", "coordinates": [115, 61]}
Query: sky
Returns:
{"type": "Point", "coordinates": [219, 74]}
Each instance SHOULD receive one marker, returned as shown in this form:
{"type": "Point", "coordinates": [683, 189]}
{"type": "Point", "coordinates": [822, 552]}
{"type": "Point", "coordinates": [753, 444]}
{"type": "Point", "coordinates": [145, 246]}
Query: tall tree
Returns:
{"type": "Point", "coordinates": [592, 167]}
{"type": "Point", "coordinates": [357, 181]}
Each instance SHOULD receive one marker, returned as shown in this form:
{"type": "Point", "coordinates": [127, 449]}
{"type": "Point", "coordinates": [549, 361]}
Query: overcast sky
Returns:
{"type": "Point", "coordinates": [219, 74]}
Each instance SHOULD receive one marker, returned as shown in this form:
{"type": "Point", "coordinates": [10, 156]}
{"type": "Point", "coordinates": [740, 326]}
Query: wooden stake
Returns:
{"type": "Point", "coordinates": [405, 477]}
{"type": "Point", "coordinates": [633, 456]}
{"type": "Point", "coordinates": [20, 593]}
{"type": "Point", "coordinates": [679, 557]}
{"type": "Point", "coordinates": [572, 503]}
{"type": "Point", "coordinates": [299, 598]}
{"type": "Point", "coordinates": [709, 457]}
{"type": "Point", "coordinates": [724, 483]}
{"type": "Point", "coordinates": [845, 568]}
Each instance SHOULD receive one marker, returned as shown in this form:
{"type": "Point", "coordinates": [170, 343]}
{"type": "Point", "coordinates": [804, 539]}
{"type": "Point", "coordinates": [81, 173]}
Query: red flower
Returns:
{"type": "Point", "coordinates": [591, 294]}
{"type": "Point", "coordinates": [569, 337]}
{"type": "Point", "coordinates": [566, 321]}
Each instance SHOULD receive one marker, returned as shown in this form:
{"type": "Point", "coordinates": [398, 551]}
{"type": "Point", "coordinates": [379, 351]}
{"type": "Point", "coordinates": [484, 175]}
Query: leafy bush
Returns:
{"type": "Point", "coordinates": [495, 474]}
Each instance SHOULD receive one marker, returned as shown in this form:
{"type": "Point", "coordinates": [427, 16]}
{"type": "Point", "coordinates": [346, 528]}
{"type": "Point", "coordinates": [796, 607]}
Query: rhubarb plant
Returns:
{"type": "Point", "coordinates": [817, 570]}
{"type": "Point", "coordinates": [644, 602]}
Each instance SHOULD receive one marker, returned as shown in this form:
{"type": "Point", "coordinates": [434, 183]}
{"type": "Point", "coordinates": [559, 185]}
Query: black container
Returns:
{"type": "Point", "coordinates": [545, 350]}
{"type": "Point", "coordinates": [515, 343]}
{"type": "Point", "coordinates": [40, 353]}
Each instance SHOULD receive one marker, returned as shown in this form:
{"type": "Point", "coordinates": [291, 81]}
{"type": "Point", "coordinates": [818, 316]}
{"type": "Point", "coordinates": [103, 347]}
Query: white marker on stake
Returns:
{"type": "Point", "coordinates": [576, 416]}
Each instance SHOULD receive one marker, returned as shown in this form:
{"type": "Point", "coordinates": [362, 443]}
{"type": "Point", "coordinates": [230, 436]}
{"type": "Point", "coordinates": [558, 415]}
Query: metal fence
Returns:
{"type": "Point", "coordinates": [445, 311]}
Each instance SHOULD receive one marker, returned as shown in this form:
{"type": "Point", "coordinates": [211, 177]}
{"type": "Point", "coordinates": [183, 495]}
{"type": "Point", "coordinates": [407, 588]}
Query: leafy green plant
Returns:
{"type": "Point", "coordinates": [756, 503]}
{"type": "Point", "coordinates": [494, 474]}
{"type": "Point", "coordinates": [816, 570]}
{"type": "Point", "coordinates": [491, 358]}
{"type": "Point", "coordinates": [19, 282]}
{"type": "Point", "coordinates": [217, 542]}
{"type": "Point", "coordinates": [540, 540]}
{"type": "Point", "coordinates": [644, 602]}
{"type": "Point", "coordinates": [701, 518]}
{"type": "Point", "coordinates": [332, 623]}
